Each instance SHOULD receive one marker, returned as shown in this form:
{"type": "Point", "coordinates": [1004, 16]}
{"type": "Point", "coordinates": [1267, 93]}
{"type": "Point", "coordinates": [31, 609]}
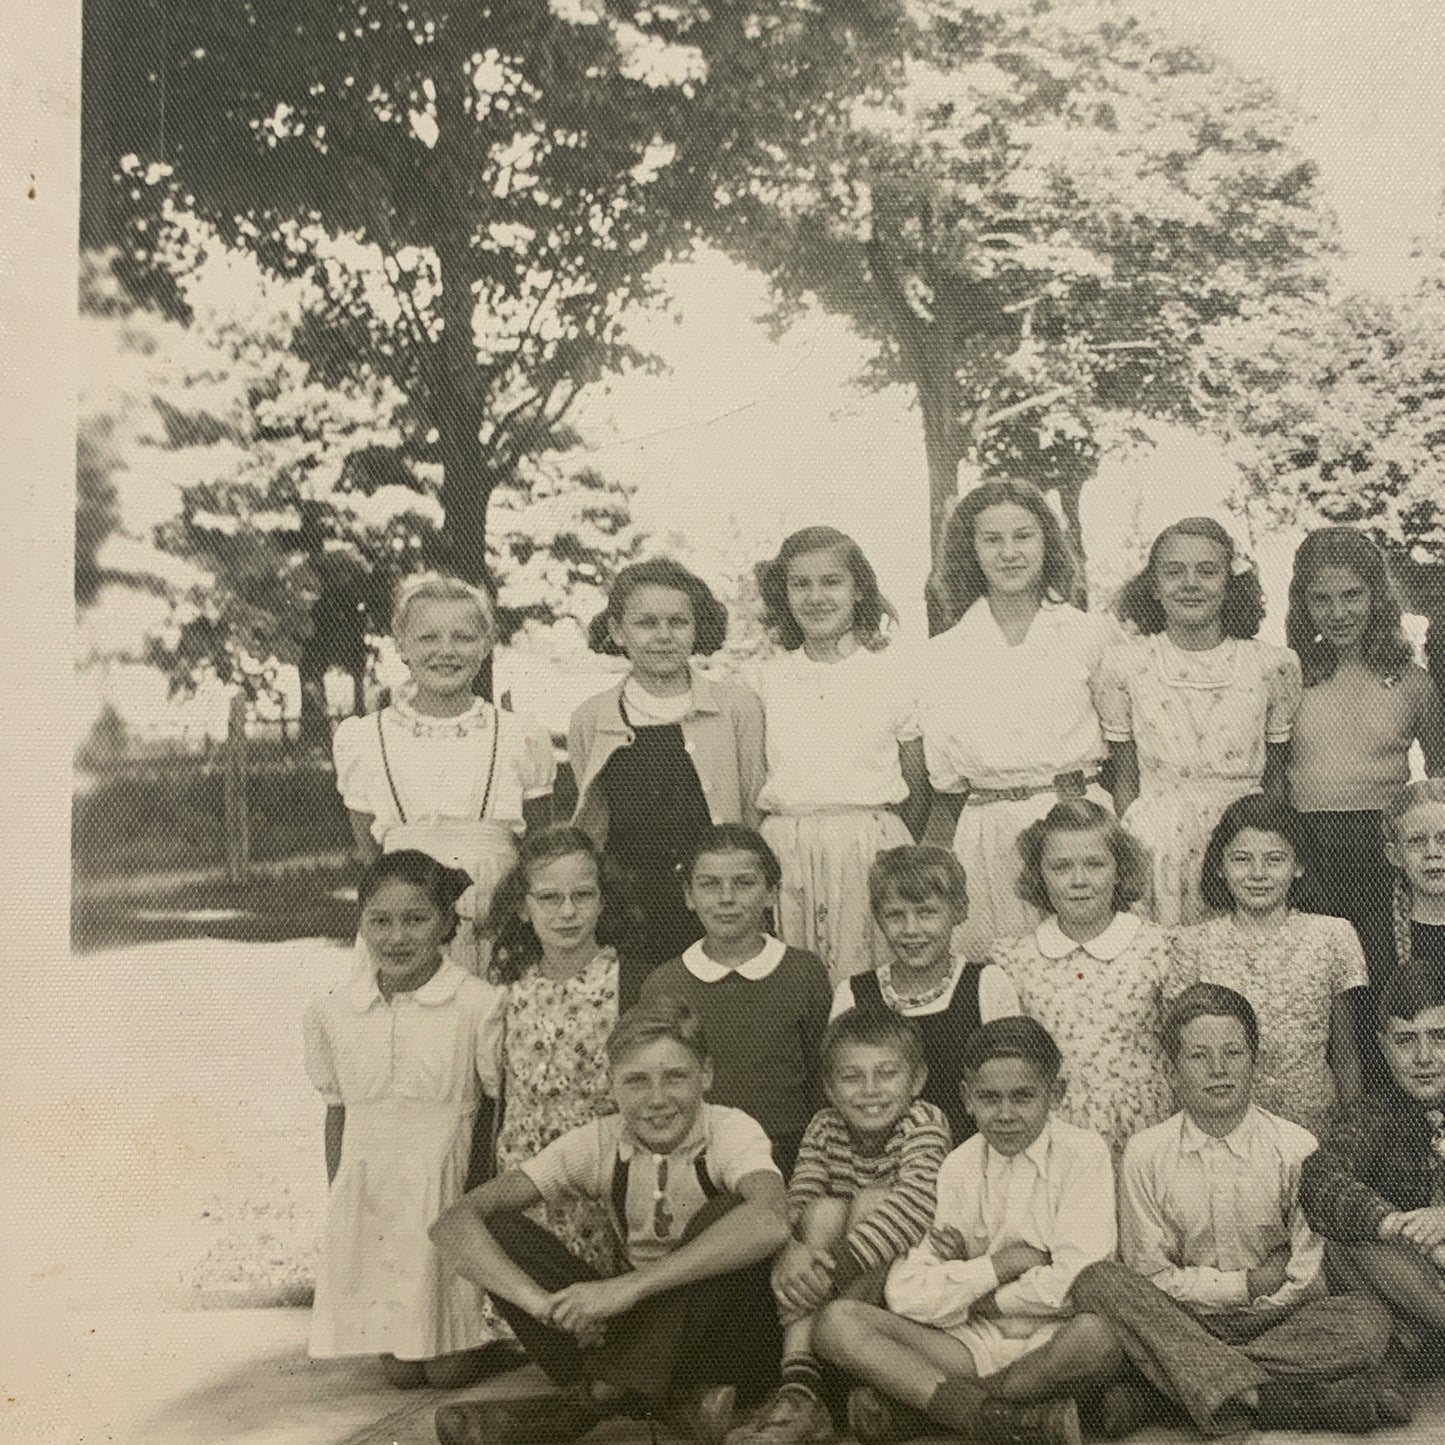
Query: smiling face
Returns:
{"type": "Point", "coordinates": [563, 903]}
{"type": "Point", "coordinates": [656, 630]}
{"type": "Point", "coordinates": [1416, 844]}
{"type": "Point", "coordinates": [404, 931]}
{"type": "Point", "coordinates": [918, 933]}
{"type": "Point", "coordinates": [822, 594]}
{"type": "Point", "coordinates": [1009, 543]}
{"type": "Point", "coordinates": [444, 643]}
{"type": "Point", "coordinates": [1213, 1072]}
{"type": "Point", "coordinates": [1010, 1102]}
{"type": "Point", "coordinates": [1415, 1051]}
{"type": "Point", "coordinates": [871, 1086]}
{"type": "Point", "coordinates": [1189, 579]}
{"type": "Point", "coordinates": [1339, 603]}
{"type": "Point", "coordinates": [1259, 868]}
{"type": "Point", "coordinates": [659, 1089]}
{"type": "Point", "coordinates": [730, 895]}
{"type": "Point", "coordinates": [1080, 875]}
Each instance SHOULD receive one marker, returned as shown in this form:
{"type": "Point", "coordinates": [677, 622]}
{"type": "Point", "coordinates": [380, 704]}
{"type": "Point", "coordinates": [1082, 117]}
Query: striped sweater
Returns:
{"type": "Point", "coordinates": [829, 1167]}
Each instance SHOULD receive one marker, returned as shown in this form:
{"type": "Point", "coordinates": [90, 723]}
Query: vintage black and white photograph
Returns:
{"type": "Point", "coordinates": [755, 742]}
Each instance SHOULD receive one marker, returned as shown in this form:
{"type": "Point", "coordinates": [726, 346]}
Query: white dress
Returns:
{"type": "Point", "coordinates": [997, 716]}
{"type": "Point", "coordinates": [450, 787]}
{"type": "Point", "coordinates": [833, 783]}
{"type": "Point", "coordinates": [407, 1073]}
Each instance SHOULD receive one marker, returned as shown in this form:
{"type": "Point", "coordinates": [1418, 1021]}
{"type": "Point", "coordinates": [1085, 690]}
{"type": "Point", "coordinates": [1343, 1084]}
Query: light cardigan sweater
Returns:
{"type": "Point", "coordinates": [723, 735]}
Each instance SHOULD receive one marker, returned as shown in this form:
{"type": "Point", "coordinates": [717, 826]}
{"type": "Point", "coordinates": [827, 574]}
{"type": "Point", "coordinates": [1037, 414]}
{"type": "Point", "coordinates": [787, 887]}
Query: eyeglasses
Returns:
{"type": "Point", "coordinates": [553, 902]}
{"type": "Point", "coordinates": [661, 1212]}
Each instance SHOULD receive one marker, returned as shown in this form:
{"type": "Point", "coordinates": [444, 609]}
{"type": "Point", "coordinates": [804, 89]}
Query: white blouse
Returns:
{"type": "Point", "coordinates": [833, 729]}
{"type": "Point", "coordinates": [1001, 716]}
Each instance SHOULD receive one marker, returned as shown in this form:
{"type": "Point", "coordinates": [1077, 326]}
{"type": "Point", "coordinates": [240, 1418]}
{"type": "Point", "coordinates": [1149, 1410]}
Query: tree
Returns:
{"type": "Point", "coordinates": [476, 192]}
{"type": "Point", "coordinates": [1039, 223]}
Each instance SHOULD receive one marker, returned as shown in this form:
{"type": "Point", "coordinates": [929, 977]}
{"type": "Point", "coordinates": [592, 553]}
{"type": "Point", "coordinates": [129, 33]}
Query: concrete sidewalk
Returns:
{"type": "Point", "coordinates": [242, 1377]}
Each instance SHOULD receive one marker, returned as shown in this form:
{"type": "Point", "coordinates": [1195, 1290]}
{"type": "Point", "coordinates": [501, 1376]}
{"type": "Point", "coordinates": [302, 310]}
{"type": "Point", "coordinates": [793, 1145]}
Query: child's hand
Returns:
{"type": "Point", "coordinates": [1270, 1274]}
{"type": "Point", "coordinates": [1424, 1228]}
{"type": "Point", "coordinates": [583, 1309]}
{"type": "Point", "coordinates": [803, 1277]}
{"type": "Point", "coordinates": [1014, 1260]}
{"type": "Point", "coordinates": [947, 1243]}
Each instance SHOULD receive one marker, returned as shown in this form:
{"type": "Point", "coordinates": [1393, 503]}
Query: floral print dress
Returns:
{"type": "Point", "coordinates": [554, 1063]}
{"type": "Point", "coordinates": [1103, 1003]}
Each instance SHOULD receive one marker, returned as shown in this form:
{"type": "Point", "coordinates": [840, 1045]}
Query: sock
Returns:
{"type": "Point", "coordinates": [802, 1369]}
{"type": "Point", "coordinates": [955, 1404]}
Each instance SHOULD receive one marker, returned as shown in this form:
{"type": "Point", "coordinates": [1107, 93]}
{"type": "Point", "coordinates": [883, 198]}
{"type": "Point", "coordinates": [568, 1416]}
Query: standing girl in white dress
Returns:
{"type": "Point", "coordinates": [442, 770]}
{"type": "Point", "coordinates": [1009, 725]}
{"type": "Point", "coordinates": [396, 1052]}
{"type": "Point", "coordinates": [1197, 711]}
{"type": "Point", "coordinates": [846, 777]}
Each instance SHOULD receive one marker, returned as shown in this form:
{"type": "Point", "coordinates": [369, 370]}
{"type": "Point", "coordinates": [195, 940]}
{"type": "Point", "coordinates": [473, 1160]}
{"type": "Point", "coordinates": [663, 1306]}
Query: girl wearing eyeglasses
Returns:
{"type": "Point", "coordinates": [552, 925]}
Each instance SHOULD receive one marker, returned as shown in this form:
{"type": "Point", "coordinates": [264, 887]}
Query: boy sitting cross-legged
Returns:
{"type": "Point", "coordinates": [979, 1337]}
{"type": "Point", "coordinates": [698, 1207]}
{"type": "Point", "coordinates": [1376, 1187]}
{"type": "Point", "coordinates": [1220, 1301]}
{"type": "Point", "coordinates": [861, 1196]}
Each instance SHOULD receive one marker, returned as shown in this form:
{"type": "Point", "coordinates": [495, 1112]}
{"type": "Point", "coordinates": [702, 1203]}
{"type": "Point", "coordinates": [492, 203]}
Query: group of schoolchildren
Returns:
{"type": "Point", "coordinates": [1131, 1102]}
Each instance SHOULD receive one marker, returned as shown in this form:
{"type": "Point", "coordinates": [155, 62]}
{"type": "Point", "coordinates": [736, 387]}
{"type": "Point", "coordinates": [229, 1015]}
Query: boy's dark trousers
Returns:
{"type": "Point", "coordinates": [717, 1331]}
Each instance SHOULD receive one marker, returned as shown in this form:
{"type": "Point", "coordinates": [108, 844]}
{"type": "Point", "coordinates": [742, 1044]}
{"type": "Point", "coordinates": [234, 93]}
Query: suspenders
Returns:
{"type": "Point", "coordinates": [621, 1168]}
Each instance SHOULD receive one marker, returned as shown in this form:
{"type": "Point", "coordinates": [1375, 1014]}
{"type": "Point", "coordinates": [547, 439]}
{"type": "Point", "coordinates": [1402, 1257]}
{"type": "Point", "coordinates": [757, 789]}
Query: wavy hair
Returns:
{"type": "Point", "coordinates": [515, 945]}
{"type": "Point", "coordinates": [710, 617]}
{"type": "Point", "coordinates": [959, 582]}
{"type": "Point", "coordinates": [1080, 815]}
{"type": "Point", "coordinates": [442, 885]}
{"type": "Point", "coordinates": [1243, 609]}
{"type": "Point", "coordinates": [1383, 648]}
{"type": "Point", "coordinates": [870, 607]}
{"type": "Point", "coordinates": [1265, 815]}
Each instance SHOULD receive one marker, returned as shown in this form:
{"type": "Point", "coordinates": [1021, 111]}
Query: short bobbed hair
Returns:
{"type": "Point", "coordinates": [709, 616]}
{"type": "Point", "coordinates": [1243, 596]}
{"type": "Point", "coordinates": [434, 586]}
{"type": "Point", "coordinates": [917, 872]}
{"type": "Point", "coordinates": [870, 607]}
{"type": "Point", "coordinates": [1207, 1000]}
{"type": "Point", "coordinates": [1265, 815]}
{"type": "Point", "coordinates": [959, 581]}
{"type": "Point", "coordinates": [442, 885]}
{"type": "Point", "coordinates": [1016, 1037]}
{"type": "Point", "coordinates": [647, 1023]}
{"type": "Point", "coordinates": [733, 838]}
{"type": "Point", "coordinates": [878, 1028]}
{"type": "Point", "coordinates": [1081, 815]}
{"type": "Point", "coordinates": [1383, 648]}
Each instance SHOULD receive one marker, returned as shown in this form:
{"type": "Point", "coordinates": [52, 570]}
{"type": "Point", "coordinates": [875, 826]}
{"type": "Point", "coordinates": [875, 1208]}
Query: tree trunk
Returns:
{"type": "Point", "coordinates": [236, 821]}
{"type": "Point", "coordinates": [944, 446]}
{"type": "Point", "coordinates": [314, 730]}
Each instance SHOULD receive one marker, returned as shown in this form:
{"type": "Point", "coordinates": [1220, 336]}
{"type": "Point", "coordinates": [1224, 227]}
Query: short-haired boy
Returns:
{"type": "Point", "coordinates": [979, 1337]}
{"type": "Point", "coordinates": [1375, 1189]}
{"type": "Point", "coordinates": [861, 1196]}
{"type": "Point", "coordinates": [699, 1209]}
{"type": "Point", "coordinates": [763, 1005]}
{"type": "Point", "coordinates": [1220, 1300]}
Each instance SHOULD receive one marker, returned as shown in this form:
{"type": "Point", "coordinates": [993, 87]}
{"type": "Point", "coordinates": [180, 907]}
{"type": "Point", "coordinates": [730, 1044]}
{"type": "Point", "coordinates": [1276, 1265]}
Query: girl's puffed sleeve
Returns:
{"type": "Point", "coordinates": [535, 761]}
{"type": "Point", "coordinates": [1284, 688]}
{"type": "Point", "coordinates": [320, 1060]}
{"type": "Point", "coordinates": [489, 1013]}
{"type": "Point", "coordinates": [907, 714]}
{"type": "Point", "coordinates": [351, 756]}
{"type": "Point", "coordinates": [1113, 701]}
{"type": "Point", "coordinates": [748, 729]}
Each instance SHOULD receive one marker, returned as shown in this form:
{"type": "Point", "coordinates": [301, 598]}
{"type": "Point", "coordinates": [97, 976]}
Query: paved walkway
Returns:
{"type": "Point", "coordinates": [241, 1377]}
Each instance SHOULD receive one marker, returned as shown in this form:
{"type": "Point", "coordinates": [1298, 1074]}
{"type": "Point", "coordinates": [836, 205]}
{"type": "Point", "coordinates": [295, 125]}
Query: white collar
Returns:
{"type": "Point", "coordinates": [1037, 1154]}
{"type": "Point", "coordinates": [364, 992]}
{"type": "Point", "coordinates": [628, 1147]}
{"type": "Point", "coordinates": [1054, 943]}
{"type": "Point", "coordinates": [707, 970]}
{"type": "Point", "coordinates": [1193, 1139]}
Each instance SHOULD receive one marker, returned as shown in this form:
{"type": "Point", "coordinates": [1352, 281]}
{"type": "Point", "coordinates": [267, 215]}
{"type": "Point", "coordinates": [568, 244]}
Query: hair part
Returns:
{"type": "Point", "coordinates": [959, 581]}
{"type": "Point", "coordinates": [1412, 795]}
{"type": "Point", "coordinates": [1081, 815]}
{"type": "Point", "coordinates": [709, 616]}
{"type": "Point", "coordinates": [442, 885]}
{"type": "Point", "coordinates": [1207, 1000]}
{"type": "Point", "coordinates": [1412, 989]}
{"type": "Point", "coordinates": [1243, 608]}
{"type": "Point", "coordinates": [733, 838]}
{"type": "Point", "coordinates": [1383, 649]}
{"type": "Point", "coordinates": [877, 1028]}
{"type": "Point", "coordinates": [515, 945]}
{"type": "Point", "coordinates": [647, 1023]}
{"type": "Point", "coordinates": [1017, 1037]}
{"type": "Point", "coordinates": [916, 873]}
{"type": "Point", "coordinates": [870, 607]}
{"type": "Point", "coordinates": [1265, 815]}
{"type": "Point", "coordinates": [432, 586]}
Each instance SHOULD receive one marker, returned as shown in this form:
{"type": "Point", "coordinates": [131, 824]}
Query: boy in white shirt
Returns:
{"type": "Point", "coordinates": [979, 1336]}
{"type": "Point", "coordinates": [1220, 1301]}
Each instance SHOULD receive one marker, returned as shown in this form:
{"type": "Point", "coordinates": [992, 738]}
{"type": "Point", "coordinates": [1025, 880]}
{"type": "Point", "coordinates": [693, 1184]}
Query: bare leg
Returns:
{"type": "Point", "coordinates": [905, 1360]}
{"type": "Point", "coordinates": [1082, 1351]}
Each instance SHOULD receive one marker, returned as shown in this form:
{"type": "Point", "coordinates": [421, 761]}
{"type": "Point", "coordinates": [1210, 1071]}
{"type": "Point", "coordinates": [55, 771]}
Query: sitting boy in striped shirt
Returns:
{"type": "Point", "coordinates": [861, 1196]}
